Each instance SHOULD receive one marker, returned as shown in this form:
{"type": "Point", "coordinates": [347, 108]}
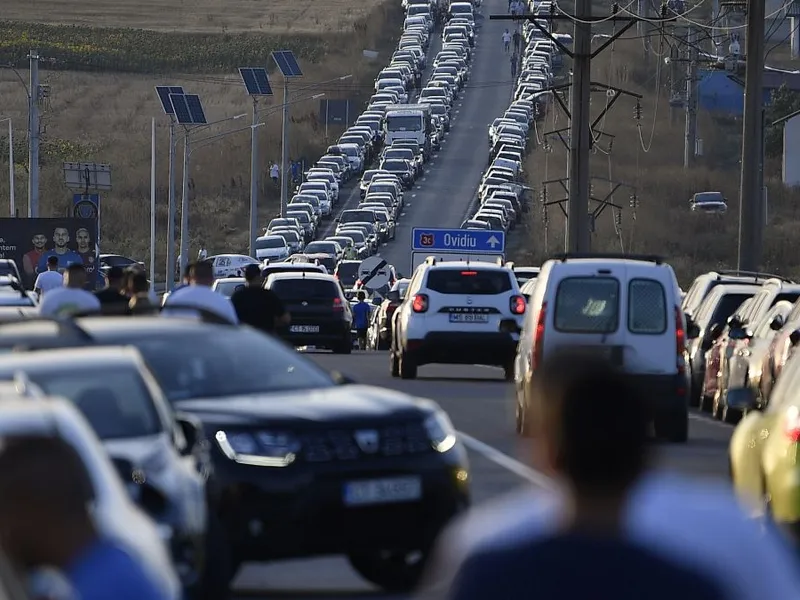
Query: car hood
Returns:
{"type": "Point", "coordinates": [347, 403]}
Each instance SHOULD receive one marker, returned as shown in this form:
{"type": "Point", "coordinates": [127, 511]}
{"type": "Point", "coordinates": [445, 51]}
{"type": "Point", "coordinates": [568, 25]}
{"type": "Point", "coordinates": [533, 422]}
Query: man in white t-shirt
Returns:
{"type": "Point", "coordinates": [72, 298]}
{"type": "Point", "coordinates": [198, 294]}
{"type": "Point", "coordinates": [49, 279]}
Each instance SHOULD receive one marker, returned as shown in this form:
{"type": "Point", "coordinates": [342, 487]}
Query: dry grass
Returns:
{"type": "Point", "coordinates": [106, 117]}
{"type": "Point", "coordinates": [662, 224]}
{"type": "Point", "coordinates": [206, 16]}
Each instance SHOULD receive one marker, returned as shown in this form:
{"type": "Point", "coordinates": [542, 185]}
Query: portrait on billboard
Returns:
{"type": "Point", "coordinates": [30, 242]}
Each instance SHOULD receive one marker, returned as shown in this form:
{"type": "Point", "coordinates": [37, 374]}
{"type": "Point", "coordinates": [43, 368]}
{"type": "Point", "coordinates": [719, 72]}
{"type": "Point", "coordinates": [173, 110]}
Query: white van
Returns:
{"type": "Point", "coordinates": [627, 308]}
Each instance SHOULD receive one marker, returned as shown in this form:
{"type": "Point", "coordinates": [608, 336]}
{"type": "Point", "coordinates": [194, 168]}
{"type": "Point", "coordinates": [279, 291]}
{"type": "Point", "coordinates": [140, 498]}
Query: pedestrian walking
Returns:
{"type": "Point", "coordinates": [114, 293]}
{"type": "Point", "coordinates": [506, 41]}
{"type": "Point", "coordinates": [72, 297]}
{"type": "Point", "coordinates": [49, 279]}
{"type": "Point", "coordinates": [274, 173]}
{"type": "Point", "coordinates": [609, 520]}
{"type": "Point", "coordinates": [516, 38]}
{"type": "Point", "coordinates": [141, 301]}
{"type": "Point", "coordinates": [514, 61]}
{"type": "Point", "coordinates": [256, 306]}
{"type": "Point", "coordinates": [203, 253]}
{"type": "Point", "coordinates": [198, 294]}
{"type": "Point", "coordinates": [361, 314]}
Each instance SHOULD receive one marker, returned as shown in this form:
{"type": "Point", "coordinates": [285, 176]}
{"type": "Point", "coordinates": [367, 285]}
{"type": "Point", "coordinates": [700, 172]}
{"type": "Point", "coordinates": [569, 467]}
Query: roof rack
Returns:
{"type": "Point", "coordinates": [563, 257]}
{"type": "Point", "coordinates": [753, 274]}
{"type": "Point", "coordinates": [66, 326]}
{"type": "Point", "coordinates": [431, 260]}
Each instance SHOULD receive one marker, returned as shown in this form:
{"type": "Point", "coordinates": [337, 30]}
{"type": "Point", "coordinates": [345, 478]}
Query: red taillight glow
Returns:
{"type": "Point", "coordinates": [518, 305]}
{"type": "Point", "coordinates": [538, 341]}
{"type": "Point", "coordinates": [420, 303]}
{"type": "Point", "coordinates": [469, 273]}
{"type": "Point", "coordinates": [680, 339]}
{"type": "Point", "coordinates": [792, 424]}
{"type": "Point", "coordinates": [337, 304]}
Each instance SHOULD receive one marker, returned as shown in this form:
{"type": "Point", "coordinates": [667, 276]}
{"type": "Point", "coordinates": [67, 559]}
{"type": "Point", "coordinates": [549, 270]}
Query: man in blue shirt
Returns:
{"type": "Point", "coordinates": [66, 257]}
{"type": "Point", "coordinates": [361, 313]}
{"type": "Point", "coordinates": [45, 498]}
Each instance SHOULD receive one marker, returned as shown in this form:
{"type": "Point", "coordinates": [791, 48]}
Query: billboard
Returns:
{"type": "Point", "coordinates": [30, 242]}
{"type": "Point", "coordinates": [337, 112]}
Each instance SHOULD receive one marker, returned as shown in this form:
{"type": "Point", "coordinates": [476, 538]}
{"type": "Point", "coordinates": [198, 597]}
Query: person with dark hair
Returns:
{"type": "Point", "coordinates": [61, 250]}
{"type": "Point", "coordinates": [609, 525]}
{"type": "Point", "coordinates": [361, 315]}
{"type": "Point", "coordinates": [72, 298]}
{"type": "Point", "coordinates": [256, 306]}
{"type": "Point", "coordinates": [114, 292]}
{"type": "Point", "coordinates": [198, 294]}
{"type": "Point", "coordinates": [45, 499]}
{"type": "Point", "coordinates": [49, 279]}
{"type": "Point", "coordinates": [139, 291]}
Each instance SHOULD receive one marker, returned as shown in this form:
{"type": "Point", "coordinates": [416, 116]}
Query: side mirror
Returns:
{"type": "Point", "coordinates": [336, 219]}
{"type": "Point", "coordinates": [376, 301]}
{"type": "Point", "coordinates": [393, 296]}
{"type": "Point", "coordinates": [742, 399]}
{"type": "Point", "coordinates": [693, 331]}
{"type": "Point", "coordinates": [342, 379]}
{"type": "Point", "coordinates": [714, 331]}
{"type": "Point", "coordinates": [734, 322]}
{"type": "Point", "coordinates": [794, 337]}
{"type": "Point", "coordinates": [776, 323]}
{"type": "Point", "coordinates": [192, 431]}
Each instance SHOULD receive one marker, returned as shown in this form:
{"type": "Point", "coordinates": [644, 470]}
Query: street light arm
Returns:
{"type": "Point", "coordinates": [208, 140]}
{"type": "Point", "coordinates": [312, 86]}
{"type": "Point", "coordinates": [207, 125]}
{"type": "Point", "coordinates": [273, 109]}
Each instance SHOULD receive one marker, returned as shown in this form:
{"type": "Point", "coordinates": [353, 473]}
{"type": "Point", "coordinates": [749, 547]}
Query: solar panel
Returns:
{"type": "Point", "coordinates": [163, 92]}
{"type": "Point", "coordinates": [287, 63]}
{"type": "Point", "coordinates": [196, 109]}
{"type": "Point", "coordinates": [256, 81]}
{"type": "Point", "coordinates": [182, 113]}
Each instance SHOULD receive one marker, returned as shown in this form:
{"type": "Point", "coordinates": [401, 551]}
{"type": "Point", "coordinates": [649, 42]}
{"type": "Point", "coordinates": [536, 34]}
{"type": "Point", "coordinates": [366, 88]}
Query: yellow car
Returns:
{"type": "Point", "coordinates": [764, 450]}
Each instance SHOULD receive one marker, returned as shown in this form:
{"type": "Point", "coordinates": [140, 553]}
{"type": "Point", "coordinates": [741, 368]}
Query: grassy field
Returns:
{"type": "Point", "coordinates": [647, 155]}
{"type": "Point", "coordinates": [198, 16]}
{"type": "Point", "coordinates": [100, 103]}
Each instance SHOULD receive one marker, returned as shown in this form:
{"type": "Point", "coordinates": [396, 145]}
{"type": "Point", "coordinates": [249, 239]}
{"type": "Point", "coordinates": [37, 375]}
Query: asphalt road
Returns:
{"type": "Point", "coordinates": [477, 399]}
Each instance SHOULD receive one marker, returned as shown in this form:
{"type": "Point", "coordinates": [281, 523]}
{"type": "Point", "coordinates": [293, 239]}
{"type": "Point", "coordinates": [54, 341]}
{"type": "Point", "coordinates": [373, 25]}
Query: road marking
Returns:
{"type": "Point", "coordinates": [510, 464]}
{"type": "Point", "coordinates": [402, 214]}
{"type": "Point", "coordinates": [414, 195]}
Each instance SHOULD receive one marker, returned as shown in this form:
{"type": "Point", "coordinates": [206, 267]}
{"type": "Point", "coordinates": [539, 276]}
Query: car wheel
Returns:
{"type": "Point", "coordinates": [508, 372]}
{"type": "Point", "coordinates": [345, 347]}
{"type": "Point", "coordinates": [673, 426]}
{"type": "Point", "coordinates": [219, 568]}
{"type": "Point", "coordinates": [392, 571]}
{"type": "Point", "coordinates": [408, 368]}
{"type": "Point", "coordinates": [394, 363]}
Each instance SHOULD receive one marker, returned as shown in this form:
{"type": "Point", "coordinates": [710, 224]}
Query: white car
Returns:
{"type": "Point", "coordinates": [230, 265]}
{"type": "Point", "coordinates": [228, 286]}
{"type": "Point", "coordinates": [457, 312]}
{"type": "Point", "coordinates": [627, 310]}
{"type": "Point", "coordinates": [272, 247]}
{"type": "Point", "coordinates": [115, 514]}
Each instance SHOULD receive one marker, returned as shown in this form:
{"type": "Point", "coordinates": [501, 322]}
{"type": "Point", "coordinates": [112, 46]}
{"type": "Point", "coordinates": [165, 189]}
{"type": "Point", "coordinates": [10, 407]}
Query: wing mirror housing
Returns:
{"type": "Point", "coordinates": [776, 323]}
{"type": "Point", "coordinates": [192, 430]}
{"type": "Point", "coordinates": [794, 337]}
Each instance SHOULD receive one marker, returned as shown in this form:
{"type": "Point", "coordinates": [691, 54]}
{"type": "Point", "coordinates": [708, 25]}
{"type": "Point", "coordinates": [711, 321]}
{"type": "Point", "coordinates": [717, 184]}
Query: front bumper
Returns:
{"type": "Point", "coordinates": [295, 512]}
{"type": "Point", "coordinates": [463, 348]}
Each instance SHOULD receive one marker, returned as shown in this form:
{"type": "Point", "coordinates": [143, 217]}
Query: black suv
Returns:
{"type": "Point", "coordinates": [305, 463]}
{"type": "Point", "coordinates": [320, 313]}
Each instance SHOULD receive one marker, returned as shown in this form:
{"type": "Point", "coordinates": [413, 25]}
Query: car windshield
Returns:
{"type": "Point", "coordinates": [272, 242]}
{"type": "Point", "coordinates": [356, 236]}
{"type": "Point", "coordinates": [321, 248]}
{"type": "Point", "coordinates": [300, 216]}
{"type": "Point", "coordinates": [401, 286]}
{"type": "Point", "coordinates": [587, 305]}
{"type": "Point", "coordinates": [395, 165]}
{"type": "Point", "coordinates": [289, 236]}
{"type": "Point", "coordinates": [115, 400]}
{"type": "Point", "coordinates": [240, 361]}
{"type": "Point", "coordinates": [381, 216]}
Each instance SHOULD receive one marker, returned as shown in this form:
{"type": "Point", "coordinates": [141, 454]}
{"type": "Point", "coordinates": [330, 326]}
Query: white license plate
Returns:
{"type": "Point", "coordinates": [468, 318]}
{"type": "Point", "coordinates": [382, 491]}
{"type": "Point", "coordinates": [304, 328]}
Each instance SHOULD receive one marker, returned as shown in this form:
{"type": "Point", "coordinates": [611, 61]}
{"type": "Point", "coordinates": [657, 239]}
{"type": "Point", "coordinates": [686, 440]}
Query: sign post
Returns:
{"type": "Point", "coordinates": [87, 178]}
{"type": "Point", "coordinates": [456, 244]}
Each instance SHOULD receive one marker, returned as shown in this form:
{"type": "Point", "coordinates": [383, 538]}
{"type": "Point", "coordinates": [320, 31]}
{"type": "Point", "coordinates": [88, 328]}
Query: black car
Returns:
{"type": "Point", "coordinates": [347, 273]}
{"type": "Point", "coordinates": [305, 462]}
{"type": "Point", "coordinates": [402, 168]}
{"type": "Point", "coordinates": [320, 313]}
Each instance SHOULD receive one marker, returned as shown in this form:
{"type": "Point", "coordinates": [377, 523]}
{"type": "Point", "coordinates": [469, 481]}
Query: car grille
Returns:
{"type": "Point", "coordinates": [400, 439]}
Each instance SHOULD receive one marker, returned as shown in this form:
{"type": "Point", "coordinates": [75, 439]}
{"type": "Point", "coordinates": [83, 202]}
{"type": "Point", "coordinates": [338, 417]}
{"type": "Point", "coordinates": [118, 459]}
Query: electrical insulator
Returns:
{"type": "Point", "coordinates": [552, 8]}
{"type": "Point", "coordinates": [664, 10]}
{"type": "Point", "coordinates": [546, 146]}
{"type": "Point", "coordinates": [614, 8]}
{"type": "Point", "coordinates": [545, 218]}
{"type": "Point", "coordinates": [610, 144]}
{"type": "Point", "coordinates": [544, 194]}
{"type": "Point", "coordinates": [618, 219]}
{"type": "Point", "coordinates": [637, 111]}
{"type": "Point", "coordinates": [634, 201]}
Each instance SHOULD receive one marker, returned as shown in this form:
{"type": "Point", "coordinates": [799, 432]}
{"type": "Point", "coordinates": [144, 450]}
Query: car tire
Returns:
{"type": "Point", "coordinates": [345, 347]}
{"type": "Point", "coordinates": [673, 427]}
{"type": "Point", "coordinates": [389, 570]}
{"type": "Point", "coordinates": [408, 368]}
{"type": "Point", "coordinates": [394, 363]}
{"type": "Point", "coordinates": [508, 372]}
{"type": "Point", "coordinates": [220, 569]}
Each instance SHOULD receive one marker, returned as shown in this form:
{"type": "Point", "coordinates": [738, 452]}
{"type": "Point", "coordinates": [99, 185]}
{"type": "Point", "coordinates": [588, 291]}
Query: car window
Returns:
{"type": "Point", "coordinates": [347, 272]}
{"type": "Point", "coordinates": [303, 289]}
{"type": "Point", "coordinates": [468, 281]}
{"type": "Point", "coordinates": [115, 400]}
{"type": "Point", "coordinates": [276, 242]}
{"type": "Point", "coordinates": [239, 362]}
{"type": "Point", "coordinates": [647, 307]}
{"type": "Point", "coordinates": [727, 305]}
{"type": "Point", "coordinates": [321, 247]}
{"type": "Point", "coordinates": [587, 305]}
{"type": "Point", "coordinates": [227, 288]}
{"type": "Point", "coordinates": [788, 296]}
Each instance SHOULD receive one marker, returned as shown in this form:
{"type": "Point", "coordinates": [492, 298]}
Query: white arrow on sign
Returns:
{"type": "Point", "coordinates": [493, 242]}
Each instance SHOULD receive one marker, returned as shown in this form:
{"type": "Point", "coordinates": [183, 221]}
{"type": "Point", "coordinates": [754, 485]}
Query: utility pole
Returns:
{"type": "Point", "coordinates": [690, 138]}
{"type": "Point", "coordinates": [284, 148]}
{"type": "Point", "coordinates": [254, 180]}
{"type": "Point", "coordinates": [751, 212]}
{"type": "Point", "coordinates": [171, 208]}
{"type": "Point", "coordinates": [185, 206]}
{"type": "Point", "coordinates": [580, 135]}
{"type": "Point", "coordinates": [33, 136]}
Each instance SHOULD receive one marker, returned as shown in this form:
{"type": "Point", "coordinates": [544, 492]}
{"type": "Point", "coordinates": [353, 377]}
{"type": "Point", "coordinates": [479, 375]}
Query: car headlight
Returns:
{"type": "Point", "coordinates": [260, 448]}
{"type": "Point", "coordinates": [440, 431]}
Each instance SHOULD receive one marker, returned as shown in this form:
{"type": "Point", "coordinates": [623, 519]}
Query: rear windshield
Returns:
{"type": "Point", "coordinates": [468, 281]}
{"type": "Point", "coordinates": [727, 306]}
{"type": "Point", "coordinates": [357, 216]}
{"type": "Point", "coordinates": [303, 289]}
{"type": "Point", "coordinates": [587, 305]}
{"type": "Point", "coordinates": [277, 242]}
{"type": "Point", "coordinates": [788, 296]}
{"type": "Point", "coordinates": [347, 272]}
{"type": "Point", "coordinates": [647, 307]}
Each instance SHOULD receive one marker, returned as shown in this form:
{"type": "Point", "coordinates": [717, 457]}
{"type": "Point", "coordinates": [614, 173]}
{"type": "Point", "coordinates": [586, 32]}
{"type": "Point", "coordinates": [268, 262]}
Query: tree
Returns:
{"type": "Point", "coordinates": [784, 102]}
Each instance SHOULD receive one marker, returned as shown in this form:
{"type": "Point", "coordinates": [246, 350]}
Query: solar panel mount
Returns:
{"type": "Point", "coordinates": [287, 63]}
{"type": "Point", "coordinates": [256, 81]}
{"type": "Point", "coordinates": [164, 92]}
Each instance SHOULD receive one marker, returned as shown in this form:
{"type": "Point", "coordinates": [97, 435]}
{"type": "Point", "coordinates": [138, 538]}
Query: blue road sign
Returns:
{"type": "Point", "coordinates": [458, 240]}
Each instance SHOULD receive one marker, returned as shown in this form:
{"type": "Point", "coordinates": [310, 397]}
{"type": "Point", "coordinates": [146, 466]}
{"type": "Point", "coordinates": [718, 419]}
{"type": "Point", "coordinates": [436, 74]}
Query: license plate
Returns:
{"type": "Point", "coordinates": [382, 491]}
{"type": "Point", "coordinates": [304, 328]}
{"type": "Point", "coordinates": [468, 318]}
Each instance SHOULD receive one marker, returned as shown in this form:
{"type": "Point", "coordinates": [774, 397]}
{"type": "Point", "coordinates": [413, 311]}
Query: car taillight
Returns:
{"type": "Point", "coordinates": [680, 337]}
{"type": "Point", "coordinates": [538, 340]}
{"type": "Point", "coordinates": [792, 424]}
{"type": "Point", "coordinates": [518, 305]}
{"type": "Point", "coordinates": [420, 303]}
{"type": "Point", "coordinates": [337, 304]}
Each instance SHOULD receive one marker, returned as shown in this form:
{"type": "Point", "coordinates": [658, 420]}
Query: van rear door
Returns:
{"type": "Point", "coordinates": [650, 321]}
